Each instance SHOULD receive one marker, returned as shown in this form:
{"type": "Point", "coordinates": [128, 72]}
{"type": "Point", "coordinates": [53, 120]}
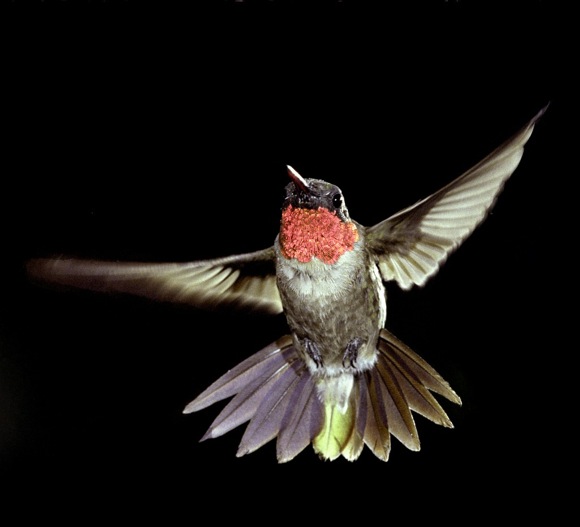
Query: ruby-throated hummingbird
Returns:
{"type": "Point", "coordinates": [339, 379]}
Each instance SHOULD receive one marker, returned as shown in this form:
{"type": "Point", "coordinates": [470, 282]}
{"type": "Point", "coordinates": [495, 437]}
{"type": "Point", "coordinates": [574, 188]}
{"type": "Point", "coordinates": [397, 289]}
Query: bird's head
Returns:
{"type": "Point", "coordinates": [315, 221]}
{"type": "Point", "coordinates": [314, 194]}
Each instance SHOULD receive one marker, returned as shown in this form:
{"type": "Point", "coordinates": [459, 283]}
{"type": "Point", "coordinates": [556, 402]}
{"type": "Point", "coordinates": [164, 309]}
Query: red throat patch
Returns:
{"type": "Point", "coordinates": [305, 233]}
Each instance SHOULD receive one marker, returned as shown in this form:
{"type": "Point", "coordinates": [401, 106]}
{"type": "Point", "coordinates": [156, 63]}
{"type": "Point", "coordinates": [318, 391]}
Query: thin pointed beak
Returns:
{"type": "Point", "coordinates": [298, 179]}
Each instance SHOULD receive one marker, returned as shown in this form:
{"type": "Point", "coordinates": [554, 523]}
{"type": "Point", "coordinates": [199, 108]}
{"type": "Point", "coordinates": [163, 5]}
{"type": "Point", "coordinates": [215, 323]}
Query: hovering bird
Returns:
{"type": "Point", "coordinates": [339, 380]}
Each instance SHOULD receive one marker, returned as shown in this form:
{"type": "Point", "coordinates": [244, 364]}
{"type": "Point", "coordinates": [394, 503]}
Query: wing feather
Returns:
{"type": "Point", "coordinates": [247, 280]}
{"type": "Point", "coordinates": [411, 245]}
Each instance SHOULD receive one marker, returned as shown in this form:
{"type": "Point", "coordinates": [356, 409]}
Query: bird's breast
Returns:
{"type": "Point", "coordinates": [317, 280]}
{"type": "Point", "coordinates": [332, 304]}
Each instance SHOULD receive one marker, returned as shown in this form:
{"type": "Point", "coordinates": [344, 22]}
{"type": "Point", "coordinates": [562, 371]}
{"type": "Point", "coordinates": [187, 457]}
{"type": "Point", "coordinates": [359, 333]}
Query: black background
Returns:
{"type": "Point", "coordinates": [148, 132]}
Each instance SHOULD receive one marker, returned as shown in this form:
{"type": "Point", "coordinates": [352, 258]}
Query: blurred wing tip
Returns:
{"type": "Point", "coordinates": [37, 267]}
{"type": "Point", "coordinates": [542, 112]}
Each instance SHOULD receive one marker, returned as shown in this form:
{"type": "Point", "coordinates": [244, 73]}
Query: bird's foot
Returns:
{"type": "Point", "coordinates": [313, 352]}
{"type": "Point", "coordinates": [351, 352]}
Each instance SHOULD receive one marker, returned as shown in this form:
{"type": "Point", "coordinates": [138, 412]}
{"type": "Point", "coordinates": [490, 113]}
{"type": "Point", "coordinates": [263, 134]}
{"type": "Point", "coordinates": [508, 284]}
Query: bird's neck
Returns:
{"type": "Point", "coordinates": [320, 233]}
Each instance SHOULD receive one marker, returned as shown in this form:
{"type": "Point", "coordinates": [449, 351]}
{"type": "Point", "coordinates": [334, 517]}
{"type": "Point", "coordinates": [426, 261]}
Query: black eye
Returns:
{"type": "Point", "coordinates": [337, 200]}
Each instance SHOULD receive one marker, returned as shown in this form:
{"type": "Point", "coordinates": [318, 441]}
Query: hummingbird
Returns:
{"type": "Point", "coordinates": [339, 379]}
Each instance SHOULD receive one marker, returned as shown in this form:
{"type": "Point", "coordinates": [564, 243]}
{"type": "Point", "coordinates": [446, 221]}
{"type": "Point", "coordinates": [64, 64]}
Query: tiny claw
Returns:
{"type": "Point", "coordinates": [313, 352]}
{"type": "Point", "coordinates": [351, 353]}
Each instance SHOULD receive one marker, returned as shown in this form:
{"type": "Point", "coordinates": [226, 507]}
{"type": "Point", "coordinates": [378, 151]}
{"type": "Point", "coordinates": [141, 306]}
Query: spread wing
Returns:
{"type": "Point", "coordinates": [411, 245]}
{"type": "Point", "coordinates": [247, 280]}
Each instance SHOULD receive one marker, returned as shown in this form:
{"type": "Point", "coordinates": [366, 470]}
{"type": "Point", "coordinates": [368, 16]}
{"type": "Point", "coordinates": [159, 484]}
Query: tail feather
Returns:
{"type": "Point", "coordinates": [281, 398]}
{"type": "Point", "coordinates": [247, 402]}
{"type": "Point", "coordinates": [273, 390]}
{"type": "Point", "coordinates": [416, 378]}
{"type": "Point", "coordinates": [336, 432]}
{"type": "Point", "coordinates": [254, 367]}
{"type": "Point", "coordinates": [355, 444]}
{"type": "Point", "coordinates": [377, 436]}
{"type": "Point", "coordinates": [399, 416]}
{"type": "Point", "coordinates": [302, 421]}
{"type": "Point", "coordinates": [426, 375]}
{"type": "Point", "coordinates": [420, 400]}
{"type": "Point", "coordinates": [267, 420]}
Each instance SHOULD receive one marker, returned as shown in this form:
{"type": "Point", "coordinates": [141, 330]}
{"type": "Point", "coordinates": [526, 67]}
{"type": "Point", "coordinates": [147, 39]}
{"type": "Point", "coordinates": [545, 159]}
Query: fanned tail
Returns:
{"type": "Point", "coordinates": [381, 404]}
{"type": "Point", "coordinates": [400, 382]}
{"type": "Point", "coordinates": [275, 391]}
